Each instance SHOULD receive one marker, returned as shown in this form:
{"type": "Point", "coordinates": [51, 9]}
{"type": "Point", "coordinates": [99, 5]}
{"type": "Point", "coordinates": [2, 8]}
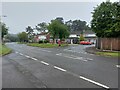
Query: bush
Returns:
{"type": "Point", "coordinates": [41, 41]}
{"type": "Point", "coordinates": [46, 41]}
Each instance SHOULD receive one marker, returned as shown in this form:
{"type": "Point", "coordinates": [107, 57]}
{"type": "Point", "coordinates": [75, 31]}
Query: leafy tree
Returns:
{"type": "Point", "coordinates": [82, 37]}
{"type": "Point", "coordinates": [4, 29]}
{"type": "Point", "coordinates": [23, 37]}
{"type": "Point", "coordinates": [42, 27]}
{"type": "Point", "coordinates": [58, 30]}
{"type": "Point", "coordinates": [106, 20]}
{"type": "Point", "coordinates": [77, 25]}
{"type": "Point", "coordinates": [12, 37]}
{"type": "Point", "coordinates": [30, 33]}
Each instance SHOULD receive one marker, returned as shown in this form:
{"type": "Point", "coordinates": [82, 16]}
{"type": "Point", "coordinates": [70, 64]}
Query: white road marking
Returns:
{"type": "Point", "coordinates": [90, 59]}
{"type": "Point", "coordinates": [16, 52]}
{"type": "Point", "coordinates": [46, 50]}
{"type": "Point", "coordinates": [72, 57]}
{"type": "Point", "coordinates": [34, 58]}
{"type": "Point", "coordinates": [44, 63]}
{"type": "Point", "coordinates": [94, 82]}
{"type": "Point", "coordinates": [20, 53]}
{"type": "Point", "coordinates": [118, 66]}
{"type": "Point", "coordinates": [59, 54]}
{"type": "Point", "coordinates": [60, 68]}
{"type": "Point", "coordinates": [27, 56]}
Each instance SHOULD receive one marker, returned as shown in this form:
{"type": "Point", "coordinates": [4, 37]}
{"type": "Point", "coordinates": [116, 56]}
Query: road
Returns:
{"type": "Point", "coordinates": [63, 67]}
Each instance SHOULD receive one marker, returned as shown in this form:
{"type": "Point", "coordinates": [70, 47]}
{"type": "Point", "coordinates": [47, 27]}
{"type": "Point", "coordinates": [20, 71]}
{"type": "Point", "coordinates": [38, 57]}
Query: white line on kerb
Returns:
{"type": "Point", "coordinates": [60, 68]}
{"type": "Point", "coordinates": [99, 84]}
{"type": "Point", "coordinates": [118, 66]}
{"type": "Point", "coordinates": [44, 63]}
{"type": "Point", "coordinates": [34, 58]}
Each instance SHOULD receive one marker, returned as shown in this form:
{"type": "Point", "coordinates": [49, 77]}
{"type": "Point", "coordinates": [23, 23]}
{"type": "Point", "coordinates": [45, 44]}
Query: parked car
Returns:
{"type": "Point", "coordinates": [85, 43]}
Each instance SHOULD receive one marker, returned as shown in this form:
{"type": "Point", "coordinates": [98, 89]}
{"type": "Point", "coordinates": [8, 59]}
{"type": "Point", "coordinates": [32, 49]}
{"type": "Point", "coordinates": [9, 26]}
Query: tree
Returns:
{"type": "Point", "coordinates": [23, 37]}
{"type": "Point", "coordinates": [82, 37]}
{"type": "Point", "coordinates": [30, 33]}
{"type": "Point", "coordinates": [106, 20]}
{"type": "Point", "coordinates": [4, 29]}
{"type": "Point", "coordinates": [77, 25]}
{"type": "Point", "coordinates": [58, 30]}
{"type": "Point", "coordinates": [42, 27]}
{"type": "Point", "coordinates": [12, 37]}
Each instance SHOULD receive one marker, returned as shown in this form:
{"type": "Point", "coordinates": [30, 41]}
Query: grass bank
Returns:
{"type": "Point", "coordinates": [112, 54]}
{"type": "Point", "coordinates": [4, 50]}
{"type": "Point", "coordinates": [48, 45]}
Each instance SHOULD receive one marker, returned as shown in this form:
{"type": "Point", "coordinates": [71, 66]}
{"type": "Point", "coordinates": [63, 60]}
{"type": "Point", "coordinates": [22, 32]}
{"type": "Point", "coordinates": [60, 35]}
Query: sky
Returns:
{"type": "Point", "coordinates": [21, 14]}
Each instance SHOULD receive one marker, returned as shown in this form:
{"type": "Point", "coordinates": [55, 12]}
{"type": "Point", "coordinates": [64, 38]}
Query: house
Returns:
{"type": "Point", "coordinates": [42, 36]}
{"type": "Point", "coordinates": [88, 35]}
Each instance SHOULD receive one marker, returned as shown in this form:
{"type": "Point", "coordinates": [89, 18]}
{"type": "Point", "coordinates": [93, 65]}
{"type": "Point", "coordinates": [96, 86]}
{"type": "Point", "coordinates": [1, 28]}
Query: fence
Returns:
{"type": "Point", "coordinates": [112, 44]}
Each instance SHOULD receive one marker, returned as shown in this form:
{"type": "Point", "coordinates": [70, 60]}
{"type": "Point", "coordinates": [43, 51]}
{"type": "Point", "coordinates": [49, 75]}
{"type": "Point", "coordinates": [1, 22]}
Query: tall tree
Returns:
{"type": "Point", "coordinates": [30, 33]}
{"type": "Point", "coordinates": [23, 37]}
{"type": "Point", "coordinates": [58, 30]}
{"type": "Point", "coordinates": [106, 18]}
{"type": "Point", "coordinates": [4, 29]}
{"type": "Point", "coordinates": [42, 27]}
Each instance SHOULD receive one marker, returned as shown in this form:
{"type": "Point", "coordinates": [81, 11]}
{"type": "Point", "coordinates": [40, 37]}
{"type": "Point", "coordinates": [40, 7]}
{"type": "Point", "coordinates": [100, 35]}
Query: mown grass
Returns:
{"type": "Point", "coordinates": [4, 50]}
{"type": "Point", "coordinates": [21, 42]}
{"type": "Point", "coordinates": [48, 45]}
{"type": "Point", "coordinates": [112, 54]}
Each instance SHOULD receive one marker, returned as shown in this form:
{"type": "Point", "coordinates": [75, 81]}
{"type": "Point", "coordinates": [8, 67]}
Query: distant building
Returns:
{"type": "Point", "coordinates": [88, 35]}
{"type": "Point", "coordinates": [42, 36]}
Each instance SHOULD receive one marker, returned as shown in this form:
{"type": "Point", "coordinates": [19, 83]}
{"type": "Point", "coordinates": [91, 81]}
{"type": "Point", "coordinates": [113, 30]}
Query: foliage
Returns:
{"type": "Point", "coordinates": [4, 29]}
{"type": "Point", "coordinates": [112, 54]}
{"type": "Point", "coordinates": [58, 30]}
{"type": "Point", "coordinates": [82, 38]}
{"type": "Point", "coordinates": [12, 37]}
{"type": "Point", "coordinates": [4, 50]}
{"type": "Point", "coordinates": [106, 20]}
{"type": "Point", "coordinates": [41, 27]}
{"type": "Point", "coordinates": [30, 33]}
{"type": "Point", "coordinates": [23, 37]}
{"type": "Point", "coordinates": [77, 25]}
{"type": "Point", "coordinates": [41, 41]}
{"type": "Point", "coordinates": [48, 45]}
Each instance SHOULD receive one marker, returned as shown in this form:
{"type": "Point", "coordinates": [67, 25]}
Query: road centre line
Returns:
{"type": "Point", "coordinates": [94, 82]}
{"type": "Point", "coordinates": [34, 58]}
{"type": "Point", "coordinates": [46, 50]}
{"type": "Point", "coordinates": [44, 62]}
{"type": "Point", "coordinates": [60, 69]}
{"type": "Point", "coordinates": [20, 53]}
{"type": "Point", "coordinates": [118, 66]}
{"type": "Point", "coordinates": [81, 77]}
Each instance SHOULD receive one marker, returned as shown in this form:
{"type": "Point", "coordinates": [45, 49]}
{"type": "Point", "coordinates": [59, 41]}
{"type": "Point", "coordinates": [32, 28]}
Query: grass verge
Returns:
{"type": "Point", "coordinates": [4, 50]}
{"type": "Point", "coordinates": [48, 45]}
{"type": "Point", "coordinates": [112, 54]}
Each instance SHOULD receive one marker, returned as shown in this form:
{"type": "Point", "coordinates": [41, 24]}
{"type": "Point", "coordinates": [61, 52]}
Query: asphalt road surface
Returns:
{"type": "Point", "coordinates": [62, 67]}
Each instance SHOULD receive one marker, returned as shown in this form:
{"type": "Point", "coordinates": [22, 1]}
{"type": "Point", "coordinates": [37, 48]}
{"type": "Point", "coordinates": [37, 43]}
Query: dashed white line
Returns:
{"type": "Point", "coordinates": [16, 52]}
{"type": "Point", "coordinates": [60, 69]}
{"type": "Point", "coordinates": [34, 58]}
{"type": "Point", "coordinates": [44, 63]}
{"type": "Point", "coordinates": [27, 56]}
{"type": "Point", "coordinates": [118, 66]}
{"type": "Point", "coordinates": [20, 53]}
{"type": "Point", "coordinates": [94, 82]}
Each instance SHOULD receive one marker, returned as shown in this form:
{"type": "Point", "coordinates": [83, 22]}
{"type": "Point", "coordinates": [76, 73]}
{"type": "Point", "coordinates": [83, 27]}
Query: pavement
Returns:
{"type": "Point", "coordinates": [62, 67]}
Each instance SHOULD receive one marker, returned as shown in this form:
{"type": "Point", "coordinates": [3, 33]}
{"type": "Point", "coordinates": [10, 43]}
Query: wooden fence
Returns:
{"type": "Point", "coordinates": [112, 44]}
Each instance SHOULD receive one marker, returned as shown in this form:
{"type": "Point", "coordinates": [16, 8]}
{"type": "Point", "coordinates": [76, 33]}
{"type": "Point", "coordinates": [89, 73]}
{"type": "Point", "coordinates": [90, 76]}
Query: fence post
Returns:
{"type": "Point", "coordinates": [111, 43]}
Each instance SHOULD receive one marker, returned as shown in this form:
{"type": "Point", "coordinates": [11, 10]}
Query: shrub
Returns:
{"type": "Point", "coordinates": [41, 41]}
{"type": "Point", "coordinates": [46, 41]}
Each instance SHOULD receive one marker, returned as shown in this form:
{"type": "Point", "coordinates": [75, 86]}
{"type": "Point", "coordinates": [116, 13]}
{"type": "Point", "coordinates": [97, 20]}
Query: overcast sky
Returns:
{"type": "Point", "coordinates": [21, 14]}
